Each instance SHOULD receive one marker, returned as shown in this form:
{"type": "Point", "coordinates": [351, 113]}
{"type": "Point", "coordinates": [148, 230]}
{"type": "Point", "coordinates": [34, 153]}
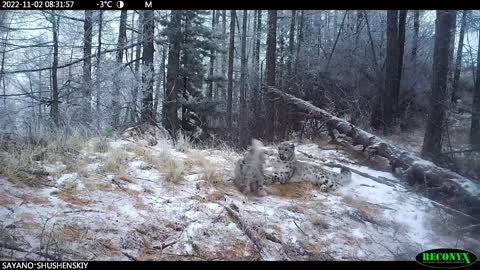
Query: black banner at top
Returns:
{"type": "Point", "coordinates": [77, 4]}
{"type": "Point", "coordinates": [229, 4]}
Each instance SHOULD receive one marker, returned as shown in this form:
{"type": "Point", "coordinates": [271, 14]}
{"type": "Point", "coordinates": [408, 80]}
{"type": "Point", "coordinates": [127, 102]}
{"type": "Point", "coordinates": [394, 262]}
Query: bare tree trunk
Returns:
{"type": "Point", "coordinates": [475, 126]}
{"type": "Point", "coordinates": [184, 63]}
{"type": "Point", "coordinates": [416, 29]}
{"type": "Point", "coordinates": [161, 80]}
{"type": "Point", "coordinates": [87, 66]}
{"type": "Point", "coordinates": [230, 69]}
{"type": "Point", "coordinates": [299, 39]}
{"type": "Point", "coordinates": [401, 46]}
{"type": "Point", "coordinates": [390, 96]}
{"type": "Point", "coordinates": [132, 33]}
{"type": "Point", "coordinates": [170, 122]}
{"type": "Point", "coordinates": [291, 43]}
{"type": "Point", "coordinates": [336, 40]}
{"type": "Point", "coordinates": [212, 63]}
{"type": "Point", "coordinates": [224, 54]}
{"type": "Point", "coordinates": [122, 34]}
{"type": "Point", "coordinates": [54, 112]}
{"type": "Point", "coordinates": [372, 46]}
{"type": "Point", "coordinates": [138, 52]}
{"type": "Point", "coordinates": [432, 143]}
{"type": "Point", "coordinates": [40, 96]}
{"type": "Point", "coordinates": [452, 51]}
{"type": "Point", "coordinates": [147, 113]}
{"type": "Point", "coordinates": [99, 55]}
{"type": "Point", "coordinates": [256, 76]}
{"type": "Point", "coordinates": [458, 62]}
{"type": "Point", "coordinates": [280, 69]}
{"type": "Point", "coordinates": [243, 116]}
{"type": "Point", "coordinates": [376, 114]}
{"type": "Point", "coordinates": [270, 72]}
{"type": "Point", "coordinates": [2, 68]}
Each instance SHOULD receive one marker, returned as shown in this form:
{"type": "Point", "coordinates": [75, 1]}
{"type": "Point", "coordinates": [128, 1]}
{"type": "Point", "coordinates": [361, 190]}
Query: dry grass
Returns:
{"type": "Point", "coordinates": [6, 199]}
{"type": "Point", "coordinates": [20, 155]}
{"type": "Point", "coordinates": [146, 155]}
{"type": "Point", "coordinates": [367, 210]}
{"type": "Point", "coordinates": [72, 197]}
{"type": "Point", "coordinates": [195, 158]}
{"type": "Point", "coordinates": [183, 143]}
{"type": "Point", "coordinates": [319, 223]}
{"type": "Point", "coordinates": [164, 162]}
{"type": "Point", "coordinates": [79, 166]}
{"type": "Point", "coordinates": [291, 190]}
{"type": "Point", "coordinates": [116, 160]}
{"type": "Point", "coordinates": [173, 170]}
{"type": "Point", "coordinates": [208, 169]}
{"type": "Point", "coordinates": [105, 187]}
{"type": "Point", "coordinates": [70, 232]}
{"type": "Point", "coordinates": [32, 199]}
{"type": "Point", "coordinates": [101, 145]}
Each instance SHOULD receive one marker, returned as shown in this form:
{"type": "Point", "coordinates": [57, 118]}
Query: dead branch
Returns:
{"type": "Point", "coordinates": [45, 255]}
{"type": "Point", "coordinates": [248, 230]}
{"type": "Point", "coordinates": [299, 228]}
{"type": "Point", "coordinates": [131, 257]}
{"type": "Point", "coordinates": [84, 211]}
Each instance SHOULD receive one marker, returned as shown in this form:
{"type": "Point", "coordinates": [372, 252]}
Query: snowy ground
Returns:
{"type": "Point", "coordinates": [137, 215]}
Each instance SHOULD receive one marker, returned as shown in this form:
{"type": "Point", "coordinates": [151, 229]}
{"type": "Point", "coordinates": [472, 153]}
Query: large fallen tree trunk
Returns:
{"type": "Point", "coordinates": [434, 182]}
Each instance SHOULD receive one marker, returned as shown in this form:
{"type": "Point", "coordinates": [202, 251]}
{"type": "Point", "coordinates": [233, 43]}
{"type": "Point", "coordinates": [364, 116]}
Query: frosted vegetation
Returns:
{"type": "Point", "coordinates": [120, 130]}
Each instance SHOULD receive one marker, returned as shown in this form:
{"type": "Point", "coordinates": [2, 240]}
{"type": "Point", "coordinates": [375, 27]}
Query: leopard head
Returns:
{"type": "Point", "coordinates": [286, 151]}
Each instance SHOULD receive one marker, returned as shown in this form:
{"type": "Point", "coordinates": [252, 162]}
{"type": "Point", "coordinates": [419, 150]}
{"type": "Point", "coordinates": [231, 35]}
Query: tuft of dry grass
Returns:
{"type": "Point", "coordinates": [77, 166]}
{"type": "Point", "coordinates": [146, 155]}
{"type": "Point", "coordinates": [116, 160]}
{"type": "Point", "coordinates": [183, 143]}
{"type": "Point", "coordinates": [163, 162]}
{"type": "Point", "coordinates": [367, 210]}
{"type": "Point", "coordinates": [101, 145]}
{"type": "Point", "coordinates": [319, 223]}
{"type": "Point", "coordinates": [195, 158]}
{"type": "Point", "coordinates": [173, 170]}
{"type": "Point", "coordinates": [209, 170]}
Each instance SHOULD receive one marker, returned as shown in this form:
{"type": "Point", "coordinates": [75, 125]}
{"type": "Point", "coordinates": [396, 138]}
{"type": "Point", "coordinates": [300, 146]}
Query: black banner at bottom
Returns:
{"type": "Point", "coordinates": [229, 265]}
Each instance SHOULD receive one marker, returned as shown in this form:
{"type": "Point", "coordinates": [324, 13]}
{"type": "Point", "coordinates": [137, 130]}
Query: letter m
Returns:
{"type": "Point", "coordinates": [148, 4]}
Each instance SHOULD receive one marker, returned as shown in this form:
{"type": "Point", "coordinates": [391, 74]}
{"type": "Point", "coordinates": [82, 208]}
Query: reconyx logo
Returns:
{"type": "Point", "coordinates": [446, 258]}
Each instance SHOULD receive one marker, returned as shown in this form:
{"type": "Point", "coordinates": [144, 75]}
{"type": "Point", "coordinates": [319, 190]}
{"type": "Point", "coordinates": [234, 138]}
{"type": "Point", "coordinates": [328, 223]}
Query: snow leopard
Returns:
{"type": "Point", "coordinates": [248, 174]}
{"type": "Point", "coordinates": [289, 169]}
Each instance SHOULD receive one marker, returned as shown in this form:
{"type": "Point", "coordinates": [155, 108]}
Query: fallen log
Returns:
{"type": "Point", "coordinates": [436, 183]}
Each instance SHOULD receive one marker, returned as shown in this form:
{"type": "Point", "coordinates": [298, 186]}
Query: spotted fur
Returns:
{"type": "Point", "coordinates": [289, 169]}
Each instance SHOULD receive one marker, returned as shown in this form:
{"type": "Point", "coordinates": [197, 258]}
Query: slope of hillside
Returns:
{"type": "Point", "coordinates": [139, 202]}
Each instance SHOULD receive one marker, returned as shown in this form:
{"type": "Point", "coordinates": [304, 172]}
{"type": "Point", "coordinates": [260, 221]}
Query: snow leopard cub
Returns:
{"type": "Point", "coordinates": [289, 169]}
{"type": "Point", "coordinates": [248, 174]}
